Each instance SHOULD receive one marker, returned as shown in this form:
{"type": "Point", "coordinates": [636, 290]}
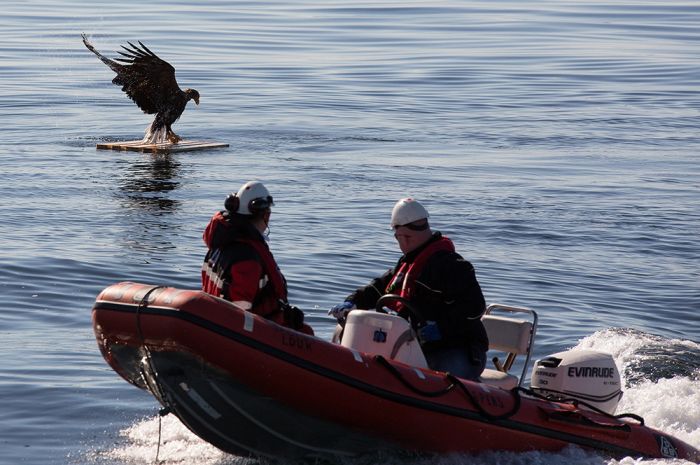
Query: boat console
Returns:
{"type": "Point", "coordinates": [383, 334]}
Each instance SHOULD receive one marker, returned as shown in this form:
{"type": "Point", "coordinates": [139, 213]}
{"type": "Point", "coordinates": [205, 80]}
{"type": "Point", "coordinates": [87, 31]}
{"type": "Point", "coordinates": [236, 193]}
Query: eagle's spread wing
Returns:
{"type": "Point", "coordinates": [146, 79]}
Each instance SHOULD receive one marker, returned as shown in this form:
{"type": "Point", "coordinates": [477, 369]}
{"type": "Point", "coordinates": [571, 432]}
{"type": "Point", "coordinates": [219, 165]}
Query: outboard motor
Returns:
{"type": "Point", "coordinates": [586, 375]}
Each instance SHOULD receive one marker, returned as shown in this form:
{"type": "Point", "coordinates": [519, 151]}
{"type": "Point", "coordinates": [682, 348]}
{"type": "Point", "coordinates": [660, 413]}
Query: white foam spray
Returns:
{"type": "Point", "coordinates": [178, 446]}
{"type": "Point", "coordinates": [672, 404]}
{"type": "Point", "coordinates": [159, 136]}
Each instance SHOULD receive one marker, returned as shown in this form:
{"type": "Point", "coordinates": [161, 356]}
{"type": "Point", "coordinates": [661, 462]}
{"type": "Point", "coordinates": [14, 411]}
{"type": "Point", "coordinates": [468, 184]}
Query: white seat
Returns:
{"type": "Point", "coordinates": [498, 379]}
{"type": "Point", "coordinates": [511, 336]}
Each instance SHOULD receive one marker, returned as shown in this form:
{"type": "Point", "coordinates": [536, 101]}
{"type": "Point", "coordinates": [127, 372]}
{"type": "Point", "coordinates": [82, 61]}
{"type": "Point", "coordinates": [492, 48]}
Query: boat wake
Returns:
{"type": "Point", "coordinates": [662, 379]}
{"type": "Point", "coordinates": [662, 384]}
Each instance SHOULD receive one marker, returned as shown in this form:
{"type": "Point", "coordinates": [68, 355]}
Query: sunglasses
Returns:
{"type": "Point", "coordinates": [261, 203]}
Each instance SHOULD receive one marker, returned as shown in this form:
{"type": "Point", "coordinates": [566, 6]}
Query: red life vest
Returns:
{"type": "Point", "coordinates": [276, 288]}
{"type": "Point", "coordinates": [406, 275]}
{"type": "Point", "coordinates": [216, 277]}
{"type": "Point", "coordinates": [271, 269]}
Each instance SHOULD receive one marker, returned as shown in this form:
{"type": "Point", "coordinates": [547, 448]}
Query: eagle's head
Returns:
{"type": "Point", "coordinates": [192, 95]}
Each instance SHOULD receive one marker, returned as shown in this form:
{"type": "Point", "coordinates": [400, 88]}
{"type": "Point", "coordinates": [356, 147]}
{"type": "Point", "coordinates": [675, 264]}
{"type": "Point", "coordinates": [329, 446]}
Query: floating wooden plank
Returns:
{"type": "Point", "coordinates": [182, 146]}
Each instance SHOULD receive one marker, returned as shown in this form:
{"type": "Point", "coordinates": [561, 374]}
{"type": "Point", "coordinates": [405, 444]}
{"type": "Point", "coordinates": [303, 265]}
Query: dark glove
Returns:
{"type": "Point", "coordinates": [293, 317]}
{"type": "Point", "coordinates": [429, 332]}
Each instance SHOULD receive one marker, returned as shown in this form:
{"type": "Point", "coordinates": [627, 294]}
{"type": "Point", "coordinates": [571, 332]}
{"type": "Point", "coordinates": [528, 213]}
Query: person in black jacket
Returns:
{"type": "Point", "coordinates": [441, 285]}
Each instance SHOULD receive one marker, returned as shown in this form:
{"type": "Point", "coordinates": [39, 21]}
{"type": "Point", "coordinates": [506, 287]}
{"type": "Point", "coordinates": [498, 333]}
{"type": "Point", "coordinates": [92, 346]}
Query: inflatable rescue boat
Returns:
{"type": "Point", "coordinates": [252, 387]}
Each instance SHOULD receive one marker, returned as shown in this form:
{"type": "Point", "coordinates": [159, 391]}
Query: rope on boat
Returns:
{"type": "Point", "coordinates": [454, 382]}
{"type": "Point", "coordinates": [577, 402]}
{"type": "Point", "coordinates": [482, 411]}
{"type": "Point", "coordinates": [632, 416]}
{"type": "Point", "coordinates": [143, 304]}
{"type": "Point", "coordinates": [392, 369]}
{"type": "Point", "coordinates": [161, 413]}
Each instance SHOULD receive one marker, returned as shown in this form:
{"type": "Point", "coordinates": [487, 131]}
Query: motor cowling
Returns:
{"type": "Point", "coordinates": [585, 375]}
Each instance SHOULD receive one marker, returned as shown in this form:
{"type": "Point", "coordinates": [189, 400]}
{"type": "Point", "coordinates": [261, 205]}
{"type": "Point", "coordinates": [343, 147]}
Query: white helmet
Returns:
{"type": "Point", "coordinates": [407, 211]}
{"type": "Point", "coordinates": [252, 197]}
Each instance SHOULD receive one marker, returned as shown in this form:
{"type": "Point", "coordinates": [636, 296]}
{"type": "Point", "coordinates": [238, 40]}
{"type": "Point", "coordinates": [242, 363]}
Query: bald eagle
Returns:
{"type": "Point", "coordinates": [150, 83]}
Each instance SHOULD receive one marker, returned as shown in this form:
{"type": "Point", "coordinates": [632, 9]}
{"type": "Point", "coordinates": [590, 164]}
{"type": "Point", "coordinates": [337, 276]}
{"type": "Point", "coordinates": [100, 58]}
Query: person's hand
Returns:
{"type": "Point", "coordinates": [340, 311]}
{"type": "Point", "coordinates": [293, 317]}
{"type": "Point", "coordinates": [429, 332]}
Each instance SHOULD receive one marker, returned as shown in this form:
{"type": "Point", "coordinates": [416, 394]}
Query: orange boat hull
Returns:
{"type": "Point", "coordinates": [252, 387]}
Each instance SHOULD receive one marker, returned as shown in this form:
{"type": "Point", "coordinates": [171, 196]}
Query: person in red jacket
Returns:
{"type": "Point", "coordinates": [239, 266]}
{"type": "Point", "coordinates": [441, 285]}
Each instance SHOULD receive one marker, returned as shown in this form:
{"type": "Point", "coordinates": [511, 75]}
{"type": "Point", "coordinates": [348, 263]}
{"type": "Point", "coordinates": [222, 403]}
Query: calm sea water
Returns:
{"type": "Point", "coordinates": [555, 141]}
